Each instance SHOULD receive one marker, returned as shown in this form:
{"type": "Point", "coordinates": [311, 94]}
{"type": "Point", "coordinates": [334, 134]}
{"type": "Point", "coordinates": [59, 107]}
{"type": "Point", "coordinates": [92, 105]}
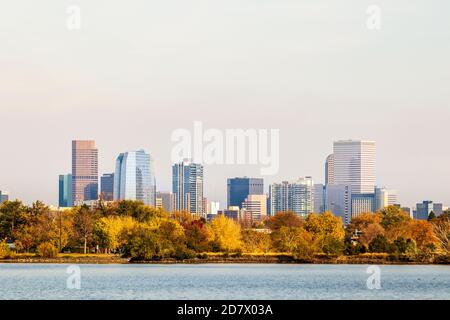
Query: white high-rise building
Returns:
{"type": "Point", "coordinates": [329, 170]}
{"type": "Point", "coordinates": [256, 206]}
{"type": "Point", "coordinates": [354, 165]}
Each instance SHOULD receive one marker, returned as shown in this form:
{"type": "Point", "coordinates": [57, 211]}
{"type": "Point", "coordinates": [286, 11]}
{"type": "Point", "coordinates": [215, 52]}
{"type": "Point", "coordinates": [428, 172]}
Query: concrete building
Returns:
{"type": "Point", "coordinates": [384, 198]}
{"type": "Point", "coordinates": [107, 187]}
{"type": "Point", "coordinates": [238, 189]}
{"type": "Point", "coordinates": [329, 169]}
{"type": "Point", "coordinates": [187, 187]}
{"type": "Point", "coordinates": [424, 209]}
{"type": "Point", "coordinates": [362, 203]}
{"type": "Point", "coordinates": [231, 213]}
{"type": "Point", "coordinates": [134, 178]}
{"type": "Point", "coordinates": [84, 171]}
{"type": "Point", "coordinates": [256, 206]}
{"type": "Point", "coordinates": [165, 200]}
{"type": "Point", "coordinates": [65, 191]}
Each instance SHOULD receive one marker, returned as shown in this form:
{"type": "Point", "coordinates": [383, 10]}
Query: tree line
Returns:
{"type": "Point", "coordinates": [141, 232]}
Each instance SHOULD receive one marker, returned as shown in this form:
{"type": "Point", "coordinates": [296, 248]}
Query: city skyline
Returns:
{"type": "Point", "coordinates": [311, 69]}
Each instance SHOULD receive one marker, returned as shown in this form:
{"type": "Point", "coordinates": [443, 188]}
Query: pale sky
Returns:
{"type": "Point", "coordinates": [137, 70]}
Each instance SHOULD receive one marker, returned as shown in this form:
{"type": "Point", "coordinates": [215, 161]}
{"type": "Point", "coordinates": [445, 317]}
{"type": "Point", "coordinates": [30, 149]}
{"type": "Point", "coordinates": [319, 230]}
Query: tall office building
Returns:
{"type": "Point", "coordinates": [238, 189]}
{"type": "Point", "coordinates": [297, 197]}
{"type": "Point", "coordinates": [319, 198]}
{"type": "Point", "coordinates": [84, 171]}
{"type": "Point", "coordinates": [338, 200]}
{"type": "Point", "coordinates": [4, 196]}
{"type": "Point", "coordinates": [65, 191]}
{"type": "Point", "coordinates": [255, 205]}
{"type": "Point", "coordinates": [363, 203]}
{"type": "Point", "coordinates": [329, 169]}
{"type": "Point", "coordinates": [187, 186]}
{"type": "Point", "coordinates": [384, 198]}
{"type": "Point", "coordinates": [354, 165]}
{"type": "Point", "coordinates": [107, 187]}
{"type": "Point", "coordinates": [134, 177]}
{"type": "Point", "coordinates": [165, 200]}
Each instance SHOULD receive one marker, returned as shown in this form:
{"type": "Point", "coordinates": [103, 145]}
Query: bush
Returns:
{"type": "Point", "coordinates": [47, 250]}
{"type": "Point", "coordinates": [379, 244]}
{"type": "Point", "coordinates": [183, 253]}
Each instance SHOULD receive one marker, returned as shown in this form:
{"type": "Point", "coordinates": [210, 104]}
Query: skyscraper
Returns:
{"type": "Point", "coordinates": [107, 187]}
{"type": "Point", "coordinates": [424, 209]}
{"type": "Point", "coordinates": [329, 169]}
{"type": "Point", "coordinates": [319, 198]}
{"type": "Point", "coordinates": [187, 186]}
{"type": "Point", "coordinates": [354, 165]}
{"type": "Point", "coordinates": [297, 196]}
{"type": "Point", "coordinates": [238, 189]}
{"type": "Point", "coordinates": [134, 177]}
{"type": "Point", "coordinates": [84, 171]}
{"type": "Point", "coordinates": [65, 191]}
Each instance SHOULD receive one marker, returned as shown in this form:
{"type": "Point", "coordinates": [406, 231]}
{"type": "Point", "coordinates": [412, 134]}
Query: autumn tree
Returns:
{"type": "Point", "coordinates": [255, 241]}
{"type": "Point", "coordinates": [83, 225]}
{"type": "Point", "coordinates": [225, 234]}
{"type": "Point", "coordinates": [283, 219]}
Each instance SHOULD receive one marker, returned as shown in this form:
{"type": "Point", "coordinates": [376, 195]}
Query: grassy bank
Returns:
{"type": "Point", "coordinates": [221, 258]}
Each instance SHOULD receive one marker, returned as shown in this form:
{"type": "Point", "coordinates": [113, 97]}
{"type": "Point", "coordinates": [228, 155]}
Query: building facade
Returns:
{"type": "Point", "coordinates": [165, 200]}
{"type": "Point", "coordinates": [107, 187]}
{"type": "Point", "coordinates": [238, 189]}
{"type": "Point", "coordinates": [297, 197]}
{"type": "Point", "coordinates": [354, 165]}
{"type": "Point", "coordinates": [338, 200]}
{"type": "Point", "coordinates": [65, 191]}
{"type": "Point", "coordinates": [319, 198]}
{"type": "Point", "coordinates": [256, 206]}
{"type": "Point", "coordinates": [362, 203]}
{"type": "Point", "coordinates": [384, 198]}
{"type": "Point", "coordinates": [187, 187]}
{"type": "Point", "coordinates": [329, 169]}
{"type": "Point", "coordinates": [424, 209]}
{"type": "Point", "coordinates": [84, 171]}
{"type": "Point", "coordinates": [134, 177]}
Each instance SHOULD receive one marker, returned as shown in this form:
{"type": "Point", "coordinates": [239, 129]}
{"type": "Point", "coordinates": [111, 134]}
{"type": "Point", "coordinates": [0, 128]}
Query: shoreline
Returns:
{"type": "Point", "coordinates": [380, 259]}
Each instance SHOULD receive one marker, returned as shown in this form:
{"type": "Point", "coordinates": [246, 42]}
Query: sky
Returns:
{"type": "Point", "coordinates": [136, 71]}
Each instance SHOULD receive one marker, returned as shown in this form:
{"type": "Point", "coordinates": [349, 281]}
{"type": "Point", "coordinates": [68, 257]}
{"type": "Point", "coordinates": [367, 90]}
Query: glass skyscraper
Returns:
{"type": "Point", "coordinates": [238, 189]}
{"type": "Point", "coordinates": [134, 177]}
{"type": "Point", "coordinates": [187, 187]}
{"type": "Point", "coordinates": [65, 191]}
{"type": "Point", "coordinates": [297, 197]}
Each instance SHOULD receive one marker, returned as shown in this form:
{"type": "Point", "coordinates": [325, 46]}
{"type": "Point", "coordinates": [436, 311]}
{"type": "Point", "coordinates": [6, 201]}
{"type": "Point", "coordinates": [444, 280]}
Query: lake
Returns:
{"type": "Point", "coordinates": [222, 281]}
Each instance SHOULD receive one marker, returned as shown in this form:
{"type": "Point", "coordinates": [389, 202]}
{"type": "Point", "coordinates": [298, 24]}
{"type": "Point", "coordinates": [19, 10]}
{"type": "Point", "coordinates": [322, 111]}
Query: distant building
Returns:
{"type": "Point", "coordinates": [231, 213]}
{"type": "Point", "coordinates": [214, 207]}
{"type": "Point", "coordinates": [385, 198]}
{"type": "Point", "coordinates": [165, 200]}
{"type": "Point", "coordinates": [329, 169]}
{"type": "Point", "coordinates": [107, 187]}
{"type": "Point", "coordinates": [4, 196]}
{"type": "Point", "coordinates": [256, 206]}
{"type": "Point", "coordinates": [338, 200]}
{"type": "Point", "coordinates": [65, 191]}
{"type": "Point", "coordinates": [238, 189]}
{"type": "Point", "coordinates": [424, 209]}
{"type": "Point", "coordinates": [354, 165]}
{"type": "Point", "coordinates": [297, 197]}
{"type": "Point", "coordinates": [319, 198]}
{"type": "Point", "coordinates": [362, 203]}
{"type": "Point", "coordinates": [187, 186]}
{"type": "Point", "coordinates": [134, 177]}
{"type": "Point", "coordinates": [84, 171]}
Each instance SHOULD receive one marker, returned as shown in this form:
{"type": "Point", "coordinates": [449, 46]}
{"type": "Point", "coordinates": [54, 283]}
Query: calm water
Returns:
{"type": "Point", "coordinates": [230, 281]}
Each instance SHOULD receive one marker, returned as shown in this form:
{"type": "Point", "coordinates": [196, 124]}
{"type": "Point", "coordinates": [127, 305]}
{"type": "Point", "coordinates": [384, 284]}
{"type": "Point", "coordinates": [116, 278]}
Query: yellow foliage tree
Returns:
{"type": "Point", "coordinates": [225, 234]}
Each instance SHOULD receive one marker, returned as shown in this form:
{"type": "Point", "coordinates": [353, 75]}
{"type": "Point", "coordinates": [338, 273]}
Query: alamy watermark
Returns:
{"type": "Point", "coordinates": [230, 146]}
{"type": "Point", "coordinates": [373, 21]}
{"type": "Point", "coordinates": [73, 20]}
{"type": "Point", "coordinates": [74, 279]}
{"type": "Point", "coordinates": [374, 280]}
